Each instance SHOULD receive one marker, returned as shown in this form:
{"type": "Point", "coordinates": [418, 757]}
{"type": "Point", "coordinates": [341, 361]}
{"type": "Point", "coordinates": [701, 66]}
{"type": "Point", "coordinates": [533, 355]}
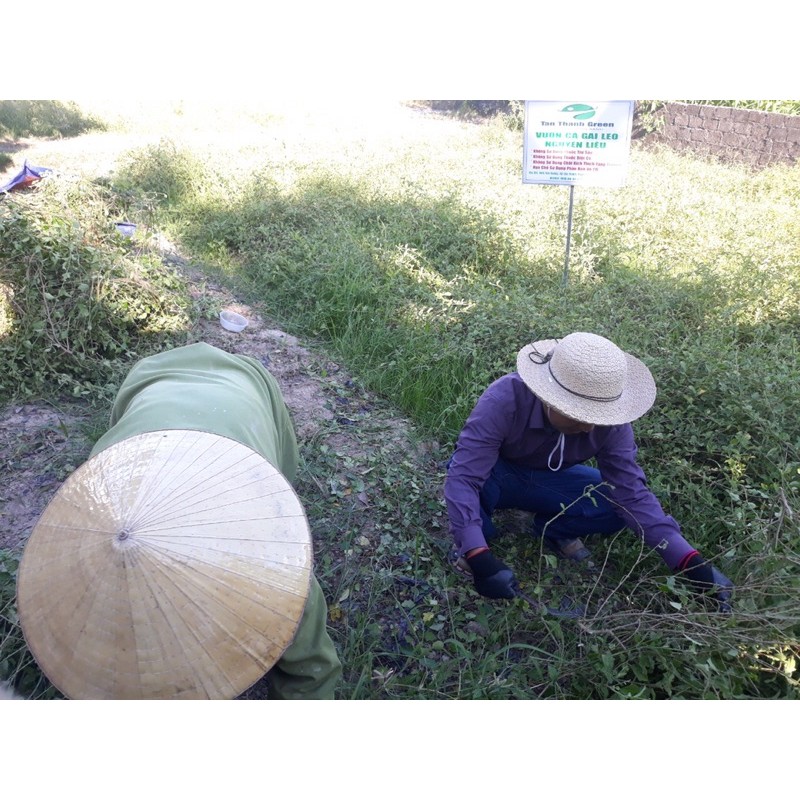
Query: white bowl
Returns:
{"type": "Point", "coordinates": [232, 321]}
{"type": "Point", "coordinates": [127, 229]}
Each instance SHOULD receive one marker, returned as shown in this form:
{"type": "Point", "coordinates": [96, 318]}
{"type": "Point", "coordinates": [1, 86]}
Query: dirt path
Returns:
{"type": "Point", "coordinates": [40, 445]}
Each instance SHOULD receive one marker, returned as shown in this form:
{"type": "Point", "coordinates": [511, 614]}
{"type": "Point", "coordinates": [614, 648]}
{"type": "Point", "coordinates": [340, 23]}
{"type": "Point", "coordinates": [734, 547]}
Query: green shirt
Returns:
{"type": "Point", "coordinates": [199, 387]}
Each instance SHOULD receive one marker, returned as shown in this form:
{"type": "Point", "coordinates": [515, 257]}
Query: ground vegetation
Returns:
{"type": "Point", "coordinates": [392, 264]}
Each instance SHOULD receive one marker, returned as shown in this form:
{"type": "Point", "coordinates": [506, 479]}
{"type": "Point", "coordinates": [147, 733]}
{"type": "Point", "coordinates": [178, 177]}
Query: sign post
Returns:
{"type": "Point", "coordinates": [576, 144]}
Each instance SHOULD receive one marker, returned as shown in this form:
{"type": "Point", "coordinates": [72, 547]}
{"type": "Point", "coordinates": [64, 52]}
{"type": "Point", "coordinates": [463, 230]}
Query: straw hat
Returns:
{"type": "Point", "coordinates": [587, 378]}
{"type": "Point", "coordinates": [174, 564]}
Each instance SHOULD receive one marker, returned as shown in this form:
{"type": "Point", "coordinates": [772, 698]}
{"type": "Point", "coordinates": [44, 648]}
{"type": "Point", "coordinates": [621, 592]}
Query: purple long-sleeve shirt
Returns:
{"type": "Point", "coordinates": [509, 422]}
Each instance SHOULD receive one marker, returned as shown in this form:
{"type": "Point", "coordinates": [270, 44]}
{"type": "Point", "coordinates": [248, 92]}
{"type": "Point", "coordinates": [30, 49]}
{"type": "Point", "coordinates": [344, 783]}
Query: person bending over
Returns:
{"type": "Point", "coordinates": [177, 561]}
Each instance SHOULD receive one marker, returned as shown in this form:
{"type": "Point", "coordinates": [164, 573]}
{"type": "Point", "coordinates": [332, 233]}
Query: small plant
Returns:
{"type": "Point", "coordinates": [515, 117]}
{"type": "Point", "coordinates": [164, 172]}
{"type": "Point", "coordinates": [647, 116]}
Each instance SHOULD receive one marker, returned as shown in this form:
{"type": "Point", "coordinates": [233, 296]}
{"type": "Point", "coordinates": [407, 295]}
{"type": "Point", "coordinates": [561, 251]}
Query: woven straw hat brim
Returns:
{"type": "Point", "coordinates": [637, 397]}
{"type": "Point", "coordinates": [175, 564]}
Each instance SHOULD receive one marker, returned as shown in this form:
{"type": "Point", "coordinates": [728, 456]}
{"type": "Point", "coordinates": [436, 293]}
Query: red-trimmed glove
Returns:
{"type": "Point", "coordinates": [704, 577]}
{"type": "Point", "coordinates": [698, 572]}
{"type": "Point", "coordinates": [492, 577]}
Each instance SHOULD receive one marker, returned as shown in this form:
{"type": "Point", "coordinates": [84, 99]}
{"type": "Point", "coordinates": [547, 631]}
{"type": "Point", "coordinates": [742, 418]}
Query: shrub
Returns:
{"type": "Point", "coordinates": [164, 171]}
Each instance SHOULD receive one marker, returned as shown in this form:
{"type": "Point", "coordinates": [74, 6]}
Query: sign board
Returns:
{"type": "Point", "coordinates": [577, 143]}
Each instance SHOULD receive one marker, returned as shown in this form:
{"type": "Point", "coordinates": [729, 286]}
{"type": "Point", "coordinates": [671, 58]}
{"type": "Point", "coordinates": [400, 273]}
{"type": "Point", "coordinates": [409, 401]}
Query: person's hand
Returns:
{"type": "Point", "coordinates": [724, 591]}
{"type": "Point", "coordinates": [492, 577]}
{"type": "Point", "coordinates": [703, 577]}
{"type": "Point", "coordinates": [698, 572]}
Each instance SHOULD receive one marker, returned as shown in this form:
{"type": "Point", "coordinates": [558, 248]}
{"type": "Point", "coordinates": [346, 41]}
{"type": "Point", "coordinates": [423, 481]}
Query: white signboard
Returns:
{"type": "Point", "coordinates": [577, 143]}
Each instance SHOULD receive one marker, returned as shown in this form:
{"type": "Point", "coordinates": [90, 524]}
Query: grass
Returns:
{"type": "Point", "coordinates": [416, 257]}
{"type": "Point", "coordinates": [44, 118]}
{"type": "Point", "coordinates": [80, 303]}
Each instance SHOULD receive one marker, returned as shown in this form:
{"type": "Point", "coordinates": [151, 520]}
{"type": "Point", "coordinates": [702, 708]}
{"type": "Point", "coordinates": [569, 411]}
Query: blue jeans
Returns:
{"type": "Point", "coordinates": [546, 493]}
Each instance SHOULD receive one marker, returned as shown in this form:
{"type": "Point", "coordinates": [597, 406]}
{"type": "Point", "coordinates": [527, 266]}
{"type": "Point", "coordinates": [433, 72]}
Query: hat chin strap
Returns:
{"type": "Point", "coordinates": [560, 447]}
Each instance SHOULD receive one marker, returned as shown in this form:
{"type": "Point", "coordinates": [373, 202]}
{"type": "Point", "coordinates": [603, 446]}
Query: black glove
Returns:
{"type": "Point", "coordinates": [724, 590]}
{"type": "Point", "coordinates": [699, 573]}
{"type": "Point", "coordinates": [492, 577]}
{"type": "Point", "coordinates": [703, 577]}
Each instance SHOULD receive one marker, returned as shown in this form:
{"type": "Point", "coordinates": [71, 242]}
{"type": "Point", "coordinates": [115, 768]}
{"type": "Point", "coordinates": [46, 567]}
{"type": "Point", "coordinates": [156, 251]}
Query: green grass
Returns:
{"type": "Point", "coordinates": [79, 304]}
{"type": "Point", "coordinates": [45, 118]}
{"type": "Point", "coordinates": [419, 260]}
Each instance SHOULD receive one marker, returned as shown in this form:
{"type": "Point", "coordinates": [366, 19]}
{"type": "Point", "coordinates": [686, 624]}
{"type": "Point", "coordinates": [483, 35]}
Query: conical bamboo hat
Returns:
{"type": "Point", "coordinates": [174, 564]}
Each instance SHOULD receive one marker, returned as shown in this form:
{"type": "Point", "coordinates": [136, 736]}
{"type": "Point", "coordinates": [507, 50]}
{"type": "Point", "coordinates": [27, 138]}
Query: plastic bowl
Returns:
{"type": "Point", "coordinates": [232, 321]}
{"type": "Point", "coordinates": [127, 229]}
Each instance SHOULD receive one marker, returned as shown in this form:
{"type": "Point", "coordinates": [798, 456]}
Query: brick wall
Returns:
{"type": "Point", "coordinates": [758, 138]}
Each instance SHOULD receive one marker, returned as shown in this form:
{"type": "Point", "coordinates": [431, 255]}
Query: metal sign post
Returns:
{"type": "Point", "coordinates": [569, 235]}
{"type": "Point", "coordinates": [576, 144]}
